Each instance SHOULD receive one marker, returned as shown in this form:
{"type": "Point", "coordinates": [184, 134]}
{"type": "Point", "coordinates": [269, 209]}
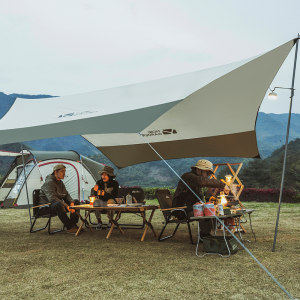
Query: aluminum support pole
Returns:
{"type": "Point", "coordinates": [25, 178]}
{"type": "Point", "coordinates": [286, 145]}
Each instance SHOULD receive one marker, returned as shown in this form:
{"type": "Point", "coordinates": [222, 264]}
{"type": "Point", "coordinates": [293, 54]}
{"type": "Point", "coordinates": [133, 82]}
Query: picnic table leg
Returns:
{"type": "Point", "coordinates": [239, 228]}
{"type": "Point", "coordinates": [199, 239]}
{"type": "Point", "coordinates": [148, 224]}
{"type": "Point", "coordinates": [114, 222]}
{"type": "Point", "coordinates": [84, 221]}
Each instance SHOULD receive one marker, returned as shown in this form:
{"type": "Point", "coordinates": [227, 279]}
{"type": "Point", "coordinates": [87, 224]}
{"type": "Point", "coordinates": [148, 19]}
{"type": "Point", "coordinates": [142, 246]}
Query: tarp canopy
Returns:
{"type": "Point", "coordinates": [205, 113]}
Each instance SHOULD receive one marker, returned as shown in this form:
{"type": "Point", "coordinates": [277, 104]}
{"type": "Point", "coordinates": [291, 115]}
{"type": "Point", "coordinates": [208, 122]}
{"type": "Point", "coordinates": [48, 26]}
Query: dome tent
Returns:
{"type": "Point", "coordinates": [81, 175]}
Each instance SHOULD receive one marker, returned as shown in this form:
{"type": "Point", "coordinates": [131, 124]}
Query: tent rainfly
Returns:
{"type": "Point", "coordinates": [202, 113]}
{"type": "Point", "coordinates": [81, 175]}
{"type": "Point", "coordinates": [12, 154]}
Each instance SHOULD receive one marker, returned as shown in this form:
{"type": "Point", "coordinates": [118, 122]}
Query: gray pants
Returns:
{"type": "Point", "coordinates": [98, 213]}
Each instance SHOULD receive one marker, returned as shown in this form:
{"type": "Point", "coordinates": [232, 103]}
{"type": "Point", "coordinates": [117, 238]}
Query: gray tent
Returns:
{"type": "Point", "coordinates": [81, 175]}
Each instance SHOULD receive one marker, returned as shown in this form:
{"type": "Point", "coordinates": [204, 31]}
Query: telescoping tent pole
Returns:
{"type": "Point", "coordinates": [286, 145]}
{"type": "Point", "coordinates": [26, 184]}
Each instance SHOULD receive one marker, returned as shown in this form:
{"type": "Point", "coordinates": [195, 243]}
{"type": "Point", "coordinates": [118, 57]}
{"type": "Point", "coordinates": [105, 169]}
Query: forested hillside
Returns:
{"type": "Point", "coordinates": [267, 173]}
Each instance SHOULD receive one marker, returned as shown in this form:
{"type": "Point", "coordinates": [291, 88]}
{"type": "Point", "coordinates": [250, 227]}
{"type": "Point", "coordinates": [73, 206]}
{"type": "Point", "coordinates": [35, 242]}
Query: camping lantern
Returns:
{"type": "Point", "coordinates": [92, 200]}
{"type": "Point", "coordinates": [223, 199]}
{"type": "Point", "coordinates": [228, 179]}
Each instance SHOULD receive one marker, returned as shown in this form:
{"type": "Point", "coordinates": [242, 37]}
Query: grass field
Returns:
{"type": "Point", "coordinates": [62, 266]}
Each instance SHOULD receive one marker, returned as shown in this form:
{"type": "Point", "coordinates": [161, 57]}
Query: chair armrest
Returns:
{"type": "Point", "coordinates": [173, 208]}
{"type": "Point", "coordinates": [42, 205]}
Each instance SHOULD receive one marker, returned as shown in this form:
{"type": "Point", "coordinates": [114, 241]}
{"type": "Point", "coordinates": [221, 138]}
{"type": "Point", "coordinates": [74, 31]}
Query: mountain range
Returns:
{"type": "Point", "coordinates": [270, 130]}
{"type": "Point", "coordinates": [267, 173]}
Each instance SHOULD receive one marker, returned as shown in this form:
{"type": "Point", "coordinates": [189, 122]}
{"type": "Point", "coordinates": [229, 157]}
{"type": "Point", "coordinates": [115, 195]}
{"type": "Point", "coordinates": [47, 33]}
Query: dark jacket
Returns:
{"type": "Point", "coordinates": [183, 196]}
{"type": "Point", "coordinates": [54, 190]}
{"type": "Point", "coordinates": [110, 188]}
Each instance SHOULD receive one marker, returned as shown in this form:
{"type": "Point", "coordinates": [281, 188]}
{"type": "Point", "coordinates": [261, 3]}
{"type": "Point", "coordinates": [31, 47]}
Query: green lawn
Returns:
{"type": "Point", "coordinates": [62, 266]}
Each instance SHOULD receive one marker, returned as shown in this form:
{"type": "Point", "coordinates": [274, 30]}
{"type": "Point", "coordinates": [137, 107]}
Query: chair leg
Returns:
{"type": "Point", "coordinates": [38, 229]}
{"type": "Point", "coordinates": [160, 239]}
{"type": "Point", "coordinates": [54, 231]}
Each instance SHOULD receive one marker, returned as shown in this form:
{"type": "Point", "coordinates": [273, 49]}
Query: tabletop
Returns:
{"type": "Point", "coordinates": [115, 207]}
{"type": "Point", "coordinates": [214, 217]}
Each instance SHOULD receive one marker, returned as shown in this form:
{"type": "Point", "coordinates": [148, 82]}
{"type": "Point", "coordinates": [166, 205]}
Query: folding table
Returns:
{"type": "Point", "coordinates": [114, 218]}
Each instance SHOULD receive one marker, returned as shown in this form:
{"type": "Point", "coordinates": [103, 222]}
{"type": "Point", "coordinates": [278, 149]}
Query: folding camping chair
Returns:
{"type": "Point", "coordinates": [41, 211]}
{"type": "Point", "coordinates": [165, 201]}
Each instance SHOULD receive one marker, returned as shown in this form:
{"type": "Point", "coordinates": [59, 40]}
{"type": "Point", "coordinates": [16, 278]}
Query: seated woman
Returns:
{"type": "Point", "coordinates": [106, 189]}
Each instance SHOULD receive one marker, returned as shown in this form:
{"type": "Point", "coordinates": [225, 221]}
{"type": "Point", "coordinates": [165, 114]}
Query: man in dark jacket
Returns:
{"type": "Point", "coordinates": [54, 191]}
{"type": "Point", "coordinates": [198, 180]}
{"type": "Point", "coordinates": [106, 189]}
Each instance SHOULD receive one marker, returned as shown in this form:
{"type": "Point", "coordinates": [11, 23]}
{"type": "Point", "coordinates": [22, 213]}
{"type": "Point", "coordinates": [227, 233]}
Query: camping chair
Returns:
{"type": "Point", "coordinates": [41, 211]}
{"type": "Point", "coordinates": [165, 201]}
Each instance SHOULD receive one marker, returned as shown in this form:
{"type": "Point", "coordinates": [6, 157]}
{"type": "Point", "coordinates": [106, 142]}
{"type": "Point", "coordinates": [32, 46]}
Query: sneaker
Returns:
{"type": "Point", "coordinates": [72, 230]}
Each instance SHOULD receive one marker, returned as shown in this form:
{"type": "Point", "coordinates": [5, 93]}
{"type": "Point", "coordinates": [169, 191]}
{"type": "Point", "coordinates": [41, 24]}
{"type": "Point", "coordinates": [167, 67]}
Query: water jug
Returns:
{"type": "Point", "coordinates": [128, 199]}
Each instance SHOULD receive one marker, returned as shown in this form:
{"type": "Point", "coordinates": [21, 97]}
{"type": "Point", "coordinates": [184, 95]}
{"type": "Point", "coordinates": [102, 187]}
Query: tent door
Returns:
{"type": "Point", "coordinates": [17, 186]}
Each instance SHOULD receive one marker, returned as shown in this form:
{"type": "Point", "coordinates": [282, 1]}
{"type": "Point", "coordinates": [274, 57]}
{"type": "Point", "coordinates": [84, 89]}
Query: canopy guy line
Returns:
{"type": "Point", "coordinates": [222, 223]}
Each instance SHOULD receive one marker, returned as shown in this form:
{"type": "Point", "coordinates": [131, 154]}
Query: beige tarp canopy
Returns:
{"type": "Point", "coordinates": [205, 113]}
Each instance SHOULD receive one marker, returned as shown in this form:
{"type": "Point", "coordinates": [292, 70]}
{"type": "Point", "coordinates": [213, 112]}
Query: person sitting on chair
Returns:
{"type": "Point", "coordinates": [106, 189]}
{"type": "Point", "coordinates": [198, 180]}
{"type": "Point", "coordinates": [54, 191]}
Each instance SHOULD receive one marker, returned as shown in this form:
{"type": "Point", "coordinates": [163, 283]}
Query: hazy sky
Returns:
{"type": "Point", "coordinates": [62, 47]}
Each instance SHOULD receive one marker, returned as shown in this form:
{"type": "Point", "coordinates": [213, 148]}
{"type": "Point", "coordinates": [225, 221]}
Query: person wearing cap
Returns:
{"type": "Point", "coordinates": [54, 191]}
{"type": "Point", "coordinates": [197, 179]}
{"type": "Point", "coordinates": [106, 189]}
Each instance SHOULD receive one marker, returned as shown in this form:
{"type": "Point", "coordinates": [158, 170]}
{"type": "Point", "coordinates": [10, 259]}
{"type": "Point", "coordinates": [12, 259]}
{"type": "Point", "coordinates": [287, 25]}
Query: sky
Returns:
{"type": "Point", "coordinates": [63, 47]}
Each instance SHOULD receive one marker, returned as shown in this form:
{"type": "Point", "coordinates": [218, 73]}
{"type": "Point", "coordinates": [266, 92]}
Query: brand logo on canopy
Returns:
{"type": "Point", "coordinates": [159, 132]}
{"type": "Point", "coordinates": [73, 114]}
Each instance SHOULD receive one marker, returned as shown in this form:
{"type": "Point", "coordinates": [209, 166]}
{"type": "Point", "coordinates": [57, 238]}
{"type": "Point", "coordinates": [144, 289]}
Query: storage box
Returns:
{"type": "Point", "coordinates": [217, 244]}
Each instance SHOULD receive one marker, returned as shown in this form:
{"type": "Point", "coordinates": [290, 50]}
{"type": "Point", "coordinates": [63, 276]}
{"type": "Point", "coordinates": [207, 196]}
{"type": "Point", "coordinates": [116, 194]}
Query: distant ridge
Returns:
{"type": "Point", "coordinates": [6, 101]}
{"type": "Point", "coordinates": [31, 96]}
{"type": "Point", "coordinates": [267, 173]}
